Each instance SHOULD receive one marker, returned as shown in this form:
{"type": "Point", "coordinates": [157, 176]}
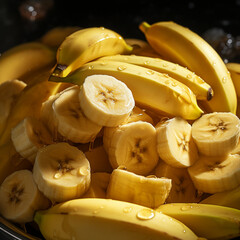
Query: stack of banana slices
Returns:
{"type": "Point", "coordinates": [128, 137]}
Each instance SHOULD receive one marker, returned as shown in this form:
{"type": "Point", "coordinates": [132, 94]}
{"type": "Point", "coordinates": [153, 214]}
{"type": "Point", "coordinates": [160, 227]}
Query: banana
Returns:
{"type": "Point", "coordinates": [133, 146]}
{"type": "Point", "coordinates": [149, 191]}
{"type": "Point", "coordinates": [98, 186]}
{"type": "Point", "coordinates": [180, 45]}
{"type": "Point", "coordinates": [95, 218]}
{"type": "Point", "coordinates": [105, 100]}
{"type": "Point", "coordinates": [230, 198]}
{"type": "Point", "coordinates": [216, 134]}
{"type": "Point", "coordinates": [71, 120]}
{"type": "Point", "coordinates": [183, 190]}
{"type": "Point", "coordinates": [55, 36]}
{"type": "Point", "coordinates": [175, 144]}
{"type": "Point", "coordinates": [61, 172]}
{"type": "Point", "coordinates": [86, 45]}
{"type": "Point", "coordinates": [216, 174]}
{"type": "Point", "coordinates": [26, 59]}
{"type": "Point", "coordinates": [28, 136]}
{"type": "Point", "coordinates": [20, 197]}
{"type": "Point", "coordinates": [234, 69]}
{"type": "Point", "coordinates": [200, 88]}
{"type": "Point", "coordinates": [207, 221]}
{"type": "Point", "coordinates": [139, 114]}
{"type": "Point", "coordinates": [150, 89]}
{"type": "Point", "coordinates": [9, 90]}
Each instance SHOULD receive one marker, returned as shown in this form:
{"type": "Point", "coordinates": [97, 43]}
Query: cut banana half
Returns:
{"type": "Point", "coordinates": [175, 144]}
{"type": "Point", "coordinates": [106, 100]}
{"type": "Point", "coordinates": [216, 134]}
{"type": "Point", "coordinates": [72, 124]}
{"type": "Point", "coordinates": [216, 174]}
{"type": "Point", "coordinates": [20, 197]}
{"type": "Point", "coordinates": [28, 136]}
{"type": "Point", "coordinates": [147, 191]}
{"type": "Point", "coordinates": [62, 172]}
{"type": "Point", "coordinates": [132, 146]}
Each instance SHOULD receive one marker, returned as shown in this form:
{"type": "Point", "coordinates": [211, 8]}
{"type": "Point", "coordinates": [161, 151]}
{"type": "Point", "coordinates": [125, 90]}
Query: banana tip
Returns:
{"type": "Point", "coordinates": [209, 94]}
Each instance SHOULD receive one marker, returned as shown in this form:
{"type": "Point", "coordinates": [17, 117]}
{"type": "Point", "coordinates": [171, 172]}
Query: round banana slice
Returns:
{"type": "Point", "coordinates": [216, 174]}
{"type": "Point", "coordinates": [20, 197]}
{"type": "Point", "coordinates": [175, 144]}
{"type": "Point", "coordinates": [72, 124]}
{"type": "Point", "coordinates": [149, 191]}
{"type": "Point", "coordinates": [106, 100]}
{"type": "Point", "coordinates": [28, 136]}
{"type": "Point", "coordinates": [132, 145]}
{"type": "Point", "coordinates": [62, 172]}
{"type": "Point", "coordinates": [217, 133]}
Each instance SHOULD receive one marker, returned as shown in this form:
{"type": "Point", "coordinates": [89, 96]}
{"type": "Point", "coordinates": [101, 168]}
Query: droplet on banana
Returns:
{"type": "Point", "coordinates": [175, 144]}
{"type": "Point", "coordinates": [132, 145]}
{"type": "Point", "coordinates": [62, 172]}
{"type": "Point", "coordinates": [20, 197]}
{"type": "Point", "coordinates": [106, 100]}
{"type": "Point", "coordinates": [149, 191]}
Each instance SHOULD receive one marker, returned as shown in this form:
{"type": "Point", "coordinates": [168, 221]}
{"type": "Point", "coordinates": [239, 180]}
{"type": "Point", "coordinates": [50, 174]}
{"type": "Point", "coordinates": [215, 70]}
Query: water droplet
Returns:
{"type": "Point", "coordinates": [83, 171]}
{"type": "Point", "coordinates": [150, 72]}
{"type": "Point", "coordinates": [165, 64]}
{"type": "Point", "coordinates": [122, 167]}
{"type": "Point", "coordinates": [121, 68]}
{"type": "Point", "coordinates": [214, 63]}
{"type": "Point", "coordinates": [90, 67]}
{"type": "Point", "coordinates": [97, 210]}
{"type": "Point", "coordinates": [224, 80]}
{"type": "Point", "coordinates": [189, 76]}
{"type": "Point", "coordinates": [174, 68]}
{"type": "Point", "coordinates": [199, 80]}
{"type": "Point", "coordinates": [146, 63]}
{"type": "Point", "coordinates": [174, 84]}
{"type": "Point", "coordinates": [57, 175]}
{"type": "Point", "coordinates": [145, 214]}
{"type": "Point", "coordinates": [167, 82]}
{"type": "Point", "coordinates": [127, 209]}
{"type": "Point", "coordinates": [103, 63]}
{"type": "Point", "coordinates": [184, 230]}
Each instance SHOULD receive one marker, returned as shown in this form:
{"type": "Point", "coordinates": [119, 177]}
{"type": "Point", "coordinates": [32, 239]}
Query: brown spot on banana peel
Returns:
{"type": "Point", "coordinates": [209, 94]}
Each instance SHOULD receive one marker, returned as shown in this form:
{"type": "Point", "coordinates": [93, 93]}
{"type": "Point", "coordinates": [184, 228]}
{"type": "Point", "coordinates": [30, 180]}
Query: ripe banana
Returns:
{"type": "Point", "coordinates": [150, 88]}
{"type": "Point", "coordinates": [139, 114]}
{"type": "Point", "coordinates": [20, 197]}
{"type": "Point", "coordinates": [175, 144]}
{"type": "Point", "coordinates": [216, 134]}
{"type": "Point", "coordinates": [61, 172]}
{"type": "Point", "coordinates": [183, 190]}
{"type": "Point", "coordinates": [230, 198]}
{"type": "Point", "coordinates": [216, 174]}
{"type": "Point", "coordinates": [234, 69]}
{"type": "Point", "coordinates": [132, 146]}
{"type": "Point", "coordinates": [28, 136]}
{"type": "Point", "coordinates": [149, 191]}
{"type": "Point", "coordinates": [103, 219]}
{"type": "Point", "coordinates": [180, 45]}
{"type": "Point", "coordinates": [200, 88]}
{"type": "Point", "coordinates": [9, 90]}
{"type": "Point", "coordinates": [86, 45]}
{"type": "Point", "coordinates": [26, 59]}
{"type": "Point", "coordinates": [207, 221]}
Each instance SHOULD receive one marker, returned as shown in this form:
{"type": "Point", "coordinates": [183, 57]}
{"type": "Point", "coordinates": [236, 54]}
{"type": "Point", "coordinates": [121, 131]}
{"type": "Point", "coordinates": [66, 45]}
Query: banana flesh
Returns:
{"type": "Point", "coordinates": [180, 45]}
{"type": "Point", "coordinates": [153, 89]}
{"type": "Point", "coordinates": [207, 221]}
{"type": "Point", "coordinates": [175, 144]}
{"type": "Point", "coordinates": [104, 218]}
{"type": "Point", "coordinates": [106, 100]}
{"type": "Point", "coordinates": [149, 191]}
{"type": "Point", "coordinates": [216, 134]}
{"type": "Point", "coordinates": [61, 172]}
{"type": "Point", "coordinates": [200, 88]}
{"type": "Point", "coordinates": [86, 45]}
{"type": "Point", "coordinates": [20, 197]}
{"type": "Point", "coordinates": [132, 146]}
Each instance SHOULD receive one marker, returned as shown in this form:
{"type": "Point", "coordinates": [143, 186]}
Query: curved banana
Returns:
{"type": "Point", "coordinates": [150, 88]}
{"type": "Point", "coordinates": [207, 221]}
{"type": "Point", "coordinates": [234, 69]}
{"type": "Point", "coordinates": [180, 45]}
{"type": "Point", "coordinates": [105, 219]}
{"type": "Point", "coordinates": [26, 59]}
{"type": "Point", "coordinates": [200, 88]}
{"type": "Point", "coordinates": [86, 45]}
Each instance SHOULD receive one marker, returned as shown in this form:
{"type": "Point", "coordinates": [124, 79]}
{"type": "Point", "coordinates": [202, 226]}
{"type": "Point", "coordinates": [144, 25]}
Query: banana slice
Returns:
{"type": "Point", "coordinates": [183, 189]}
{"type": "Point", "coordinates": [20, 197]}
{"type": "Point", "coordinates": [217, 133]}
{"type": "Point", "coordinates": [148, 191]}
{"type": "Point", "coordinates": [62, 172]}
{"type": "Point", "coordinates": [175, 144]}
{"type": "Point", "coordinates": [132, 145]}
{"type": "Point", "coordinates": [28, 136]}
{"type": "Point", "coordinates": [216, 174]}
{"type": "Point", "coordinates": [72, 124]}
{"type": "Point", "coordinates": [106, 100]}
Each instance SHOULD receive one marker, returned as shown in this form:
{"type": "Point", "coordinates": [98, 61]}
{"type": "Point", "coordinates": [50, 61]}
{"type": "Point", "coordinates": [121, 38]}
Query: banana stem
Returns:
{"type": "Point", "coordinates": [144, 26]}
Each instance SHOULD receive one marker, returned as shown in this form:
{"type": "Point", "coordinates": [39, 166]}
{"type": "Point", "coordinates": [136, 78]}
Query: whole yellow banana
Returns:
{"type": "Point", "coordinates": [180, 45]}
